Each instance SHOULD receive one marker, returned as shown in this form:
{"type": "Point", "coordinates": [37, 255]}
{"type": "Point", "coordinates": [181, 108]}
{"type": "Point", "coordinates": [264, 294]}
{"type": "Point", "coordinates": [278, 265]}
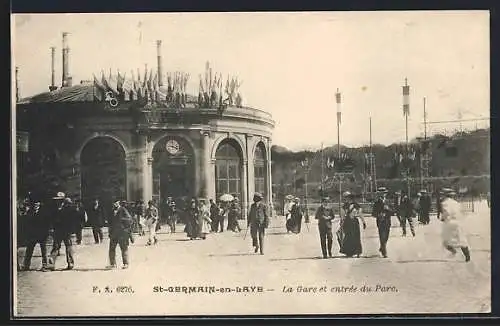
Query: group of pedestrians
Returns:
{"type": "Point", "coordinates": [60, 221]}
{"type": "Point", "coordinates": [222, 211]}
{"type": "Point", "coordinates": [62, 218]}
{"type": "Point", "coordinates": [351, 221]}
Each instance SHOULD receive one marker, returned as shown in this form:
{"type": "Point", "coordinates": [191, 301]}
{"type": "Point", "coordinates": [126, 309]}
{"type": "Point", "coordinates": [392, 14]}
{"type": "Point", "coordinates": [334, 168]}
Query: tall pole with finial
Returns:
{"type": "Point", "coordinates": [339, 120]}
{"type": "Point", "coordinates": [371, 161]}
{"type": "Point", "coordinates": [406, 113]}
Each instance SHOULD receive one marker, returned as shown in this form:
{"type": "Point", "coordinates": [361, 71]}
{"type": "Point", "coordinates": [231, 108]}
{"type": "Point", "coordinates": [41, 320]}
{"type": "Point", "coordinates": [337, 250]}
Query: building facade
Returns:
{"type": "Point", "coordinates": [119, 142]}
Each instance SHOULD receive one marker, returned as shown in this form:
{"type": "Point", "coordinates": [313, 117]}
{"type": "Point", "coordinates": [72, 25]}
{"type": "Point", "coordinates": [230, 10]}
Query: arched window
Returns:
{"type": "Point", "coordinates": [228, 169]}
{"type": "Point", "coordinates": [260, 169]}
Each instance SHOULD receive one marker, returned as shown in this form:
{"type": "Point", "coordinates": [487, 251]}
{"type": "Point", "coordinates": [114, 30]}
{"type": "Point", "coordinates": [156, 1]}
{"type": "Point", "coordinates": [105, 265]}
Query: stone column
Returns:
{"type": "Point", "coordinates": [207, 180]}
{"type": "Point", "coordinates": [147, 178]}
{"type": "Point", "coordinates": [244, 189]}
{"type": "Point", "coordinates": [251, 172]}
{"type": "Point", "coordinates": [250, 182]}
{"type": "Point", "coordinates": [131, 176]}
{"type": "Point", "coordinates": [269, 181]}
{"type": "Point", "coordinates": [211, 186]}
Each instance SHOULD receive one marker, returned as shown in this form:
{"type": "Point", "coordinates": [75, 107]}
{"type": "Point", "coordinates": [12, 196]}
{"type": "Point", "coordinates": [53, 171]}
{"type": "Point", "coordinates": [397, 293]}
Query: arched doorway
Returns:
{"type": "Point", "coordinates": [260, 168]}
{"type": "Point", "coordinates": [228, 168]}
{"type": "Point", "coordinates": [173, 170]}
{"type": "Point", "coordinates": [103, 171]}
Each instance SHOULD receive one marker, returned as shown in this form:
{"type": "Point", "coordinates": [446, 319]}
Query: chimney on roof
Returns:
{"type": "Point", "coordinates": [66, 78]}
{"type": "Point", "coordinates": [53, 86]}
{"type": "Point", "coordinates": [160, 68]}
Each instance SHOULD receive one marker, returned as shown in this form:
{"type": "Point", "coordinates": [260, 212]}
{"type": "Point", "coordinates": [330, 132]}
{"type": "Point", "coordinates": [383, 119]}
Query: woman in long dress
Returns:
{"type": "Point", "coordinates": [204, 220]}
{"type": "Point", "coordinates": [192, 216]}
{"type": "Point", "coordinates": [296, 213]}
{"type": "Point", "coordinates": [350, 242]}
{"type": "Point", "coordinates": [452, 234]}
{"type": "Point", "coordinates": [288, 213]}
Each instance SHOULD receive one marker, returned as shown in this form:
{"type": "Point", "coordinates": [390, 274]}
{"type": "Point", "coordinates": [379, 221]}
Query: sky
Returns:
{"type": "Point", "coordinates": [290, 64]}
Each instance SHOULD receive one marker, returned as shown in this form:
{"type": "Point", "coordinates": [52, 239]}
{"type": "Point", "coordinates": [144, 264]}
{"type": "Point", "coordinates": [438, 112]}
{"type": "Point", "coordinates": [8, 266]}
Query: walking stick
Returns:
{"type": "Point", "coordinates": [246, 231]}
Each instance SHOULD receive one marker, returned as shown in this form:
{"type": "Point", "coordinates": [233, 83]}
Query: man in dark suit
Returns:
{"type": "Point", "coordinates": [66, 219]}
{"type": "Point", "coordinates": [325, 215]}
{"type": "Point", "coordinates": [406, 211]}
{"type": "Point", "coordinates": [382, 211]}
{"type": "Point", "coordinates": [96, 220]}
{"type": "Point", "coordinates": [120, 230]}
{"type": "Point", "coordinates": [258, 221]}
{"type": "Point", "coordinates": [214, 215]}
{"type": "Point", "coordinates": [37, 232]}
{"type": "Point", "coordinates": [425, 207]}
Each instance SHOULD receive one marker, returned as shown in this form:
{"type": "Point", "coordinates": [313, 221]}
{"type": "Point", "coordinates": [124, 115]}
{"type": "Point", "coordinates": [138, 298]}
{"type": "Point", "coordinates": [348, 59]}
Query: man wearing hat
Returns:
{"type": "Point", "coordinates": [406, 212]}
{"type": "Point", "coordinates": [37, 233]}
{"type": "Point", "coordinates": [233, 216]}
{"type": "Point", "coordinates": [66, 218]}
{"type": "Point", "coordinates": [452, 233]}
{"type": "Point", "coordinates": [96, 220]}
{"type": "Point", "coordinates": [424, 206]}
{"type": "Point", "coordinates": [258, 221]}
{"type": "Point", "coordinates": [383, 213]}
{"type": "Point", "coordinates": [120, 229]}
{"type": "Point", "coordinates": [325, 215]}
{"type": "Point", "coordinates": [172, 214]}
{"type": "Point", "coordinates": [152, 217]}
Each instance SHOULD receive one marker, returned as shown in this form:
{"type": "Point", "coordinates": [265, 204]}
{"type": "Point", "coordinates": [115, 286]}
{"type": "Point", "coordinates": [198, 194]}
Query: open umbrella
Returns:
{"type": "Point", "coordinates": [289, 197]}
{"type": "Point", "coordinates": [226, 197]}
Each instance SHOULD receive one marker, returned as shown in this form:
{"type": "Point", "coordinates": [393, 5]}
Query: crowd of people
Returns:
{"type": "Point", "coordinates": [62, 217]}
{"type": "Point", "coordinates": [352, 219]}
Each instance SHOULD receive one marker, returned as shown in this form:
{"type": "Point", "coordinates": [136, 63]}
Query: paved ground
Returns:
{"type": "Point", "coordinates": [418, 277]}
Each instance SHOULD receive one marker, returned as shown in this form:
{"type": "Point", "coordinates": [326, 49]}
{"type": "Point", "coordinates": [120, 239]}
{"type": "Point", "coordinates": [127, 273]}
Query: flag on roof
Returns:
{"type": "Point", "coordinates": [99, 90]}
{"type": "Point", "coordinates": [119, 81]}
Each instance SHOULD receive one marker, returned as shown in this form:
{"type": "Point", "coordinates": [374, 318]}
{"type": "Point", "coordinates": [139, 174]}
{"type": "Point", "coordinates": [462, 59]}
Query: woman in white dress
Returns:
{"type": "Point", "coordinates": [204, 219]}
{"type": "Point", "coordinates": [452, 233]}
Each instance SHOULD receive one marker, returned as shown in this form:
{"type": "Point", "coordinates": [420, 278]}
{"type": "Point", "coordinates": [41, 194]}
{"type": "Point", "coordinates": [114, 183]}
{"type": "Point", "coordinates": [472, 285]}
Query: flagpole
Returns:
{"type": "Point", "coordinates": [338, 100]}
{"type": "Point", "coordinates": [406, 112]}
{"type": "Point", "coordinates": [371, 159]}
{"type": "Point", "coordinates": [322, 170]}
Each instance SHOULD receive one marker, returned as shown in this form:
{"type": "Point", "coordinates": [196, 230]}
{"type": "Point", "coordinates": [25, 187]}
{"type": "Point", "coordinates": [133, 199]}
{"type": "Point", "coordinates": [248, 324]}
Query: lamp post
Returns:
{"type": "Point", "coordinates": [305, 165]}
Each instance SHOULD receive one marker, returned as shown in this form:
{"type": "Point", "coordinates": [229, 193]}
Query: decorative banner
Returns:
{"type": "Point", "coordinates": [338, 100]}
{"type": "Point", "coordinates": [22, 141]}
{"type": "Point", "coordinates": [406, 98]}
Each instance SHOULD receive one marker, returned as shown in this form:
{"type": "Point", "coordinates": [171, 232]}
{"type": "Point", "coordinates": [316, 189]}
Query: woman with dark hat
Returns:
{"type": "Point", "coordinates": [351, 230]}
{"type": "Point", "coordinates": [296, 214]}
{"type": "Point", "coordinates": [452, 234]}
{"type": "Point", "coordinates": [233, 215]}
{"type": "Point", "coordinates": [192, 217]}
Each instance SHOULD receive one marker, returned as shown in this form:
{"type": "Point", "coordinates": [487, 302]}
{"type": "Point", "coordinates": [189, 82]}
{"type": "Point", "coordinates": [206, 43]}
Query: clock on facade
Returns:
{"type": "Point", "coordinates": [173, 147]}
